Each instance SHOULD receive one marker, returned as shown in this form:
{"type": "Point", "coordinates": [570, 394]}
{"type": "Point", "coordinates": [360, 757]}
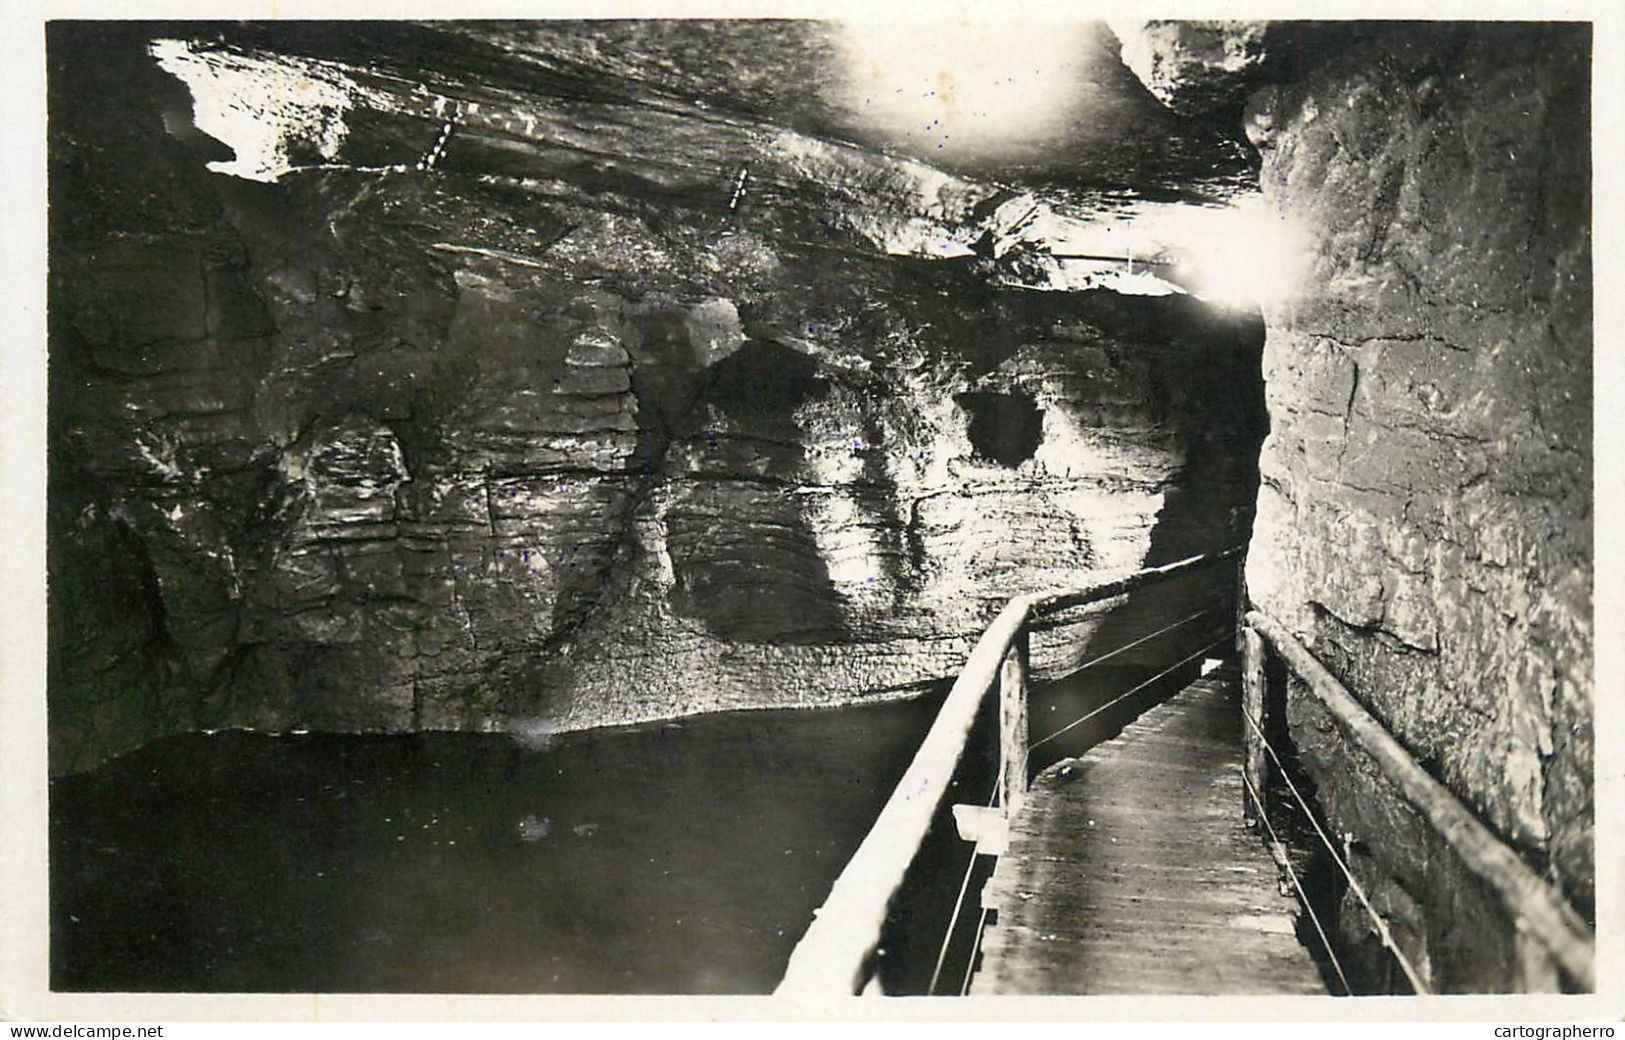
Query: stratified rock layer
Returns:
{"type": "Point", "coordinates": [516, 401]}
{"type": "Point", "coordinates": [1425, 515]}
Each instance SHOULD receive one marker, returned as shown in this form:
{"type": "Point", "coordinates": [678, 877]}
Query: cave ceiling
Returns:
{"type": "Point", "coordinates": [1030, 147]}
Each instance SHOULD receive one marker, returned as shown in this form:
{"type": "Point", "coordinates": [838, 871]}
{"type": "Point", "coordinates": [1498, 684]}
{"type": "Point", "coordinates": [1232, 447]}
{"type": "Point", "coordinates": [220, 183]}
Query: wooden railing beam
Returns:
{"type": "Point", "coordinates": [834, 955]}
{"type": "Point", "coordinates": [1050, 602]}
{"type": "Point", "coordinates": [831, 956]}
{"type": "Point", "coordinates": [1538, 909]}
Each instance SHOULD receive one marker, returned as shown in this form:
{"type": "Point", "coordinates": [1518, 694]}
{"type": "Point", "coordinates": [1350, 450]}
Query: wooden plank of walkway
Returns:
{"type": "Point", "coordinates": [1129, 869]}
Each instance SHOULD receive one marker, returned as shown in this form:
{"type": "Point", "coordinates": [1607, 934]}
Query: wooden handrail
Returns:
{"type": "Point", "coordinates": [835, 954]}
{"type": "Point", "coordinates": [1049, 602]}
{"type": "Point", "coordinates": [1536, 906]}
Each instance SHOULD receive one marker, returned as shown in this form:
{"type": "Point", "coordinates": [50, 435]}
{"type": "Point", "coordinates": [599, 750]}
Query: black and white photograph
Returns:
{"type": "Point", "coordinates": [816, 507]}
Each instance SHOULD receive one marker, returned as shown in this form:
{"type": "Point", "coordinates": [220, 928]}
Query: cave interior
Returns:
{"type": "Point", "coordinates": [472, 409]}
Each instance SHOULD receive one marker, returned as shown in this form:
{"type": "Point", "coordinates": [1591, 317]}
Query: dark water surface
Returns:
{"type": "Point", "coordinates": [684, 857]}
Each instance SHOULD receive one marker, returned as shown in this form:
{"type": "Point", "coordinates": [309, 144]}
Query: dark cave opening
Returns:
{"type": "Point", "coordinates": [1003, 428]}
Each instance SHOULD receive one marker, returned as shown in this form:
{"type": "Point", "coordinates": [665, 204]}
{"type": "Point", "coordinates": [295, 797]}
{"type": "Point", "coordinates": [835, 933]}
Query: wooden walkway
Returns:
{"type": "Point", "coordinates": [1129, 869]}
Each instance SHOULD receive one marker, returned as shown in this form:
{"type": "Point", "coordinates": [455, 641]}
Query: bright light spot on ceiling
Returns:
{"type": "Point", "coordinates": [964, 87]}
{"type": "Point", "coordinates": [262, 108]}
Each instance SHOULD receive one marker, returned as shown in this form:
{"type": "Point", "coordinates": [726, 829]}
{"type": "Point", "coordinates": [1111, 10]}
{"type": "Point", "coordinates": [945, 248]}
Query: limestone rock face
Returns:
{"type": "Point", "coordinates": [1193, 66]}
{"type": "Point", "coordinates": [1425, 515]}
{"type": "Point", "coordinates": [507, 398]}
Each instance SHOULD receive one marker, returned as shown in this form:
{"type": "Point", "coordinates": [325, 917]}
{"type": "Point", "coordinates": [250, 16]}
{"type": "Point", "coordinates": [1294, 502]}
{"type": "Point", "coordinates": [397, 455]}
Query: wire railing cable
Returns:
{"type": "Point", "coordinates": [838, 947]}
{"type": "Point", "coordinates": [959, 902]}
{"type": "Point", "coordinates": [976, 948]}
{"type": "Point", "coordinates": [1143, 639]}
{"type": "Point", "coordinates": [970, 868]}
{"type": "Point", "coordinates": [1129, 693]}
{"type": "Point", "coordinates": [1303, 896]}
{"type": "Point", "coordinates": [1383, 932]}
{"type": "Point", "coordinates": [953, 921]}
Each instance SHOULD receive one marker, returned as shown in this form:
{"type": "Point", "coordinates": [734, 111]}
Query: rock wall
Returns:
{"type": "Point", "coordinates": [469, 409]}
{"type": "Point", "coordinates": [1425, 515]}
{"type": "Point", "coordinates": [1194, 66]}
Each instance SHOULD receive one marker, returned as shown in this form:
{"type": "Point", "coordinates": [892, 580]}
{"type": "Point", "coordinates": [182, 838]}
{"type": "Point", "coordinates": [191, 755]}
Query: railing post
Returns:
{"type": "Point", "coordinates": [1541, 908]}
{"type": "Point", "coordinates": [837, 949]}
{"type": "Point", "coordinates": [1013, 725]}
{"type": "Point", "coordinates": [1241, 604]}
{"type": "Point", "coordinates": [1252, 704]}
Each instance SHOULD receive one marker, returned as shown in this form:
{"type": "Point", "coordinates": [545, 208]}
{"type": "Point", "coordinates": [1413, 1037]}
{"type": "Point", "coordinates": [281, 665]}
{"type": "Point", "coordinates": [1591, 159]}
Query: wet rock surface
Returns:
{"type": "Point", "coordinates": [507, 394]}
{"type": "Point", "coordinates": [1425, 515]}
{"type": "Point", "coordinates": [1194, 66]}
